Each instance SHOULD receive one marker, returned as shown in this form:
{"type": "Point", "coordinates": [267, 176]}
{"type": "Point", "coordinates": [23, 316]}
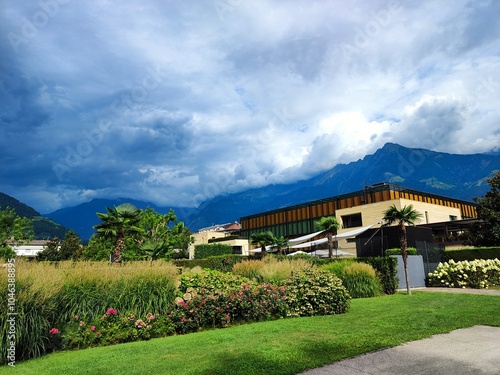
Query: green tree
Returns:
{"type": "Point", "coordinates": [330, 225]}
{"type": "Point", "coordinates": [180, 239]}
{"type": "Point", "coordinates": [71, 247]}
{"type": "Point", "coordinates": [263, 239]}
{"type": "Point", "coordinates": [14, 231]}
{"type": "Point", "coordinates": [98, 248]}
{"type": "Point", "coordinates": [406, 216]}
{"type": "Point", "coordinates": [117, 224]}
{"type": "Point", "coordinates": [55, 250]}
{"type": "Point", "coordinates": [486, 232]}
{"type": "Point", "coordinates": [51, 251]}
{"type": "Point", "coordinates": [281, 244]}
{"type": "Point", "coordinates": [156, 240]}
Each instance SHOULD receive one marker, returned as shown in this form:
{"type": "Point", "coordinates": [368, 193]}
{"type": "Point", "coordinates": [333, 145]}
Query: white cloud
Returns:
{"type": "Point", "coordinates": [185, 101]}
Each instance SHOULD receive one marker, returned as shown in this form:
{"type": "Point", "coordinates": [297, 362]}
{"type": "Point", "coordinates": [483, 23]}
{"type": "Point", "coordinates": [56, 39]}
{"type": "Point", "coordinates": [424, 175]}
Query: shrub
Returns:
{"type": "Point", "coordinates": [114, 328]}
{"type": "Point", "coordinates": [199, 309]}
{"type": "Point", "coordinates": [472, 254]}
{"type": "Point", "coordinates": [315, 292]}
{"type": "Point", "coordinates": [387, 271]}
{"type": "Point", "coordinates": [478, 273]}
{"type": "Point", "coordinates": [361, 280]}
{"type": "Point", "coordinates": [211, 281]}
{"type": "Point", "coordinates": [207, 250]}
{"type": "Point", "coordinates": [223, 263]}
{"type": "Point", "coordinates": [397, 251]}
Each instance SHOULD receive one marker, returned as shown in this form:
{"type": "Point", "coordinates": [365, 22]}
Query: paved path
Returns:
{"type": "Point", "coordinates": [491, 292]}
{"type": "Point", "coordinates": [469, 351]}
{"type": "Point", "coordinates": [474, 351]}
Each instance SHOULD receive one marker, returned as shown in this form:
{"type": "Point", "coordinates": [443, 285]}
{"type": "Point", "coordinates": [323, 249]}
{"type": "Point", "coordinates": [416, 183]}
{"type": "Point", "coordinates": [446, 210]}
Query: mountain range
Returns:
{"type": "Point", "coordinates": [43, 227]}
{"type": "Point", "coordinates": [452, 175]}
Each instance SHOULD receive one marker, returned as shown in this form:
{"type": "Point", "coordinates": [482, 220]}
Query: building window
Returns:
{"type": "Point", "coordinates": [453, 217]}
{"type": "Point", "coordinates": [351, 221]}
{"type": "Point", "coordinates": [237, 250]}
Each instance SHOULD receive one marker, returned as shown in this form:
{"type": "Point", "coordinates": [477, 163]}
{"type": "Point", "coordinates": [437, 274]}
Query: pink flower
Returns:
{"type": "Point", "coordinates": [92, 328]}
{"type": "Point", "coordinates": [82, 323]}
{"type": "Point", "coordinates": [75, 317]}
{"type": "Point", "coordinates": [54, 331]}
{"type": "Point", "coordinates": [111, 311]}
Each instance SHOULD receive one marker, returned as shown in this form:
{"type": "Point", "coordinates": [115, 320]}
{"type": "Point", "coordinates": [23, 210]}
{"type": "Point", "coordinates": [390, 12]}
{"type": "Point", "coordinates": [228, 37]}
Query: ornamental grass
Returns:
{"type": "Point", "coordinates": [271, 269]}
{"type": "Point", "coordinates": [49, 295]}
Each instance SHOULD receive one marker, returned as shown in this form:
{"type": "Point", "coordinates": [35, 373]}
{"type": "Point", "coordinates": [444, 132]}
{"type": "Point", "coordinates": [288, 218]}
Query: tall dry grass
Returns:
{"type": "Point", "coordinates": [270, 270]}
{"type": "Point", "coordinates": [50, 295]}
{"type": "Point", "coordinates": [361, 280]}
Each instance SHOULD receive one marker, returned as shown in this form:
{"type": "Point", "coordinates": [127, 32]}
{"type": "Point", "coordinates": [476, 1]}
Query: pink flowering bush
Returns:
{"type": "Point", "coordinates": [113, 328]}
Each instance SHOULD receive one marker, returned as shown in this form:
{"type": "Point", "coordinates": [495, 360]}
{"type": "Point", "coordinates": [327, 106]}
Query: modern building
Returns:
{"type": "Point", "coordinates": [221, 233]}
{"type": "Point", "coordinates": [355, 210]}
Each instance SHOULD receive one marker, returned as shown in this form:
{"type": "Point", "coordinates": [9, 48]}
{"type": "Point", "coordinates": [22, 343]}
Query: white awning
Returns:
{"type": "Point", "coordinates": [341, 236]}
{"type": "Point", "coordinates": [304, 238]}
{"type": "Point", "coordinates": [309, 244]}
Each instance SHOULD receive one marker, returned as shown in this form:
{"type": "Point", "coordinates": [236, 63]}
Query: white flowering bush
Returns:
{"type": "Point", "coordinates": [479, 273]}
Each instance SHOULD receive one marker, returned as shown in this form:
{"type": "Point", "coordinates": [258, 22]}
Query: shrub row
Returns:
{"type": "Point", "coordinates": [385, 267]}
{"type": "Point", "coordinates": [79, 305]}
{"type": "Point", "coordinates": [471, 254]}
{"type": "Point", "coordinates": [223, 263]}
{"type": "Point", "coordinates": [209, 250]}
{"type": "Point", "coordinates": [479, 273]}
{"type": "Point", "coordinates": [397, 251]}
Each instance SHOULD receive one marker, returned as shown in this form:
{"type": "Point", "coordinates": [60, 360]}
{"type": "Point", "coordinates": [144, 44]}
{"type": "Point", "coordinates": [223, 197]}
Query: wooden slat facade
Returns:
{"type": "Point", "coordinates": [299, 219]}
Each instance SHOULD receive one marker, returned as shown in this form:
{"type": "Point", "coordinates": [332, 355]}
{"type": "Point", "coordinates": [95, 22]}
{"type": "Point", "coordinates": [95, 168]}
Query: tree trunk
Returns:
{"type": "Point", "coordinates": [263, 251]}
{"type": "Point", "coordinates": [330, 245]}
{"type": "Point", "coordinates": [117, 252]}
{"type": "Point", "coordinates": [404, 251]}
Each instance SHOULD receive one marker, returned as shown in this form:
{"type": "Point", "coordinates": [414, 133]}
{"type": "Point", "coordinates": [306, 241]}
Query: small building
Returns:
{"type": "Point", "coordinates": [228, 233]}
{"type": "Point", "coordinates": [30, 249]}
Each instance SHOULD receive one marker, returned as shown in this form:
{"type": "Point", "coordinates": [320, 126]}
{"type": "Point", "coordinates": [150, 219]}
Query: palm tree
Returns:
{"type": "Point", "coordinates": [406, 216]}
{"type": "Point", "coordinates": [118, 223]}
{"type": "Point", "coordinates": [281, 244]}
{"type": "Point", "coordinates": [330, 225]}
{"type": "Point", "coordinates": [263, 239]}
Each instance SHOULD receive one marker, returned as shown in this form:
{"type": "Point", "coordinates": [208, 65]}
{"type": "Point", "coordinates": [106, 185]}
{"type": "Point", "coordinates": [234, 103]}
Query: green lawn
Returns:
{"type": "Point", "coordinates": [287, 346]}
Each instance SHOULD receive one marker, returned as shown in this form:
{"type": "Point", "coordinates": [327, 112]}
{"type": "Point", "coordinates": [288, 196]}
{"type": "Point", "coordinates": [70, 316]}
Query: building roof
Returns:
{"type": "Point", "coordinates": [452, 225]}
{"type": "Point", "coordinates": [382, 186]}
{"type": "Point", "coordinates": [227, 227]}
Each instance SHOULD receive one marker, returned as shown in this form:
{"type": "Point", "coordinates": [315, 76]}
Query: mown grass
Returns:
{"type": "Point", "coordinates": [286, 346]}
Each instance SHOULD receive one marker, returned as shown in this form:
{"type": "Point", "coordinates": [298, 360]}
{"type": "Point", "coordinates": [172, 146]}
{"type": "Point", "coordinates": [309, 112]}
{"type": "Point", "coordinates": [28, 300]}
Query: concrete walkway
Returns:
{"type": "Point", "coordinates": [490, 292]}
{"type": "Point", "coordinates": [474, 351]}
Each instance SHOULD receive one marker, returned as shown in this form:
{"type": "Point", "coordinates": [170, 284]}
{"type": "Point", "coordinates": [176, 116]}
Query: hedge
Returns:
{"type": "Point", "coordinates": [223, 263]}
{"type": "Point", "coordinates": [209, 250]}
{"type": "Point", "coordinates": [397, 251]}
{"type": "Point", "coordinates": [387, 269]}
{"type": "Point", "coordinates": [471, 254]}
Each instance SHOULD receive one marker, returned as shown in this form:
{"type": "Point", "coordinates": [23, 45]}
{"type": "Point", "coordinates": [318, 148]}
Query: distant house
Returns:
{"type": "Point", "coordinates": [221, 233]}
{"type": "Point", "coordinates": [31, 249]}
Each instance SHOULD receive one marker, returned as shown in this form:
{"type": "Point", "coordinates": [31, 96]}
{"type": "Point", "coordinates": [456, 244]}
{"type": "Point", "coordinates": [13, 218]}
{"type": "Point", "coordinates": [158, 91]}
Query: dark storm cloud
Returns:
{"type": "Point", "coordinates": [178, 102]}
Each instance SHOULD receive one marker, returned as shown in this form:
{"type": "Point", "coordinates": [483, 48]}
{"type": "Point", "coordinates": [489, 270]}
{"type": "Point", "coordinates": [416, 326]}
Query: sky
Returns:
{"type": "Point", "coordinates": [175, 102]}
